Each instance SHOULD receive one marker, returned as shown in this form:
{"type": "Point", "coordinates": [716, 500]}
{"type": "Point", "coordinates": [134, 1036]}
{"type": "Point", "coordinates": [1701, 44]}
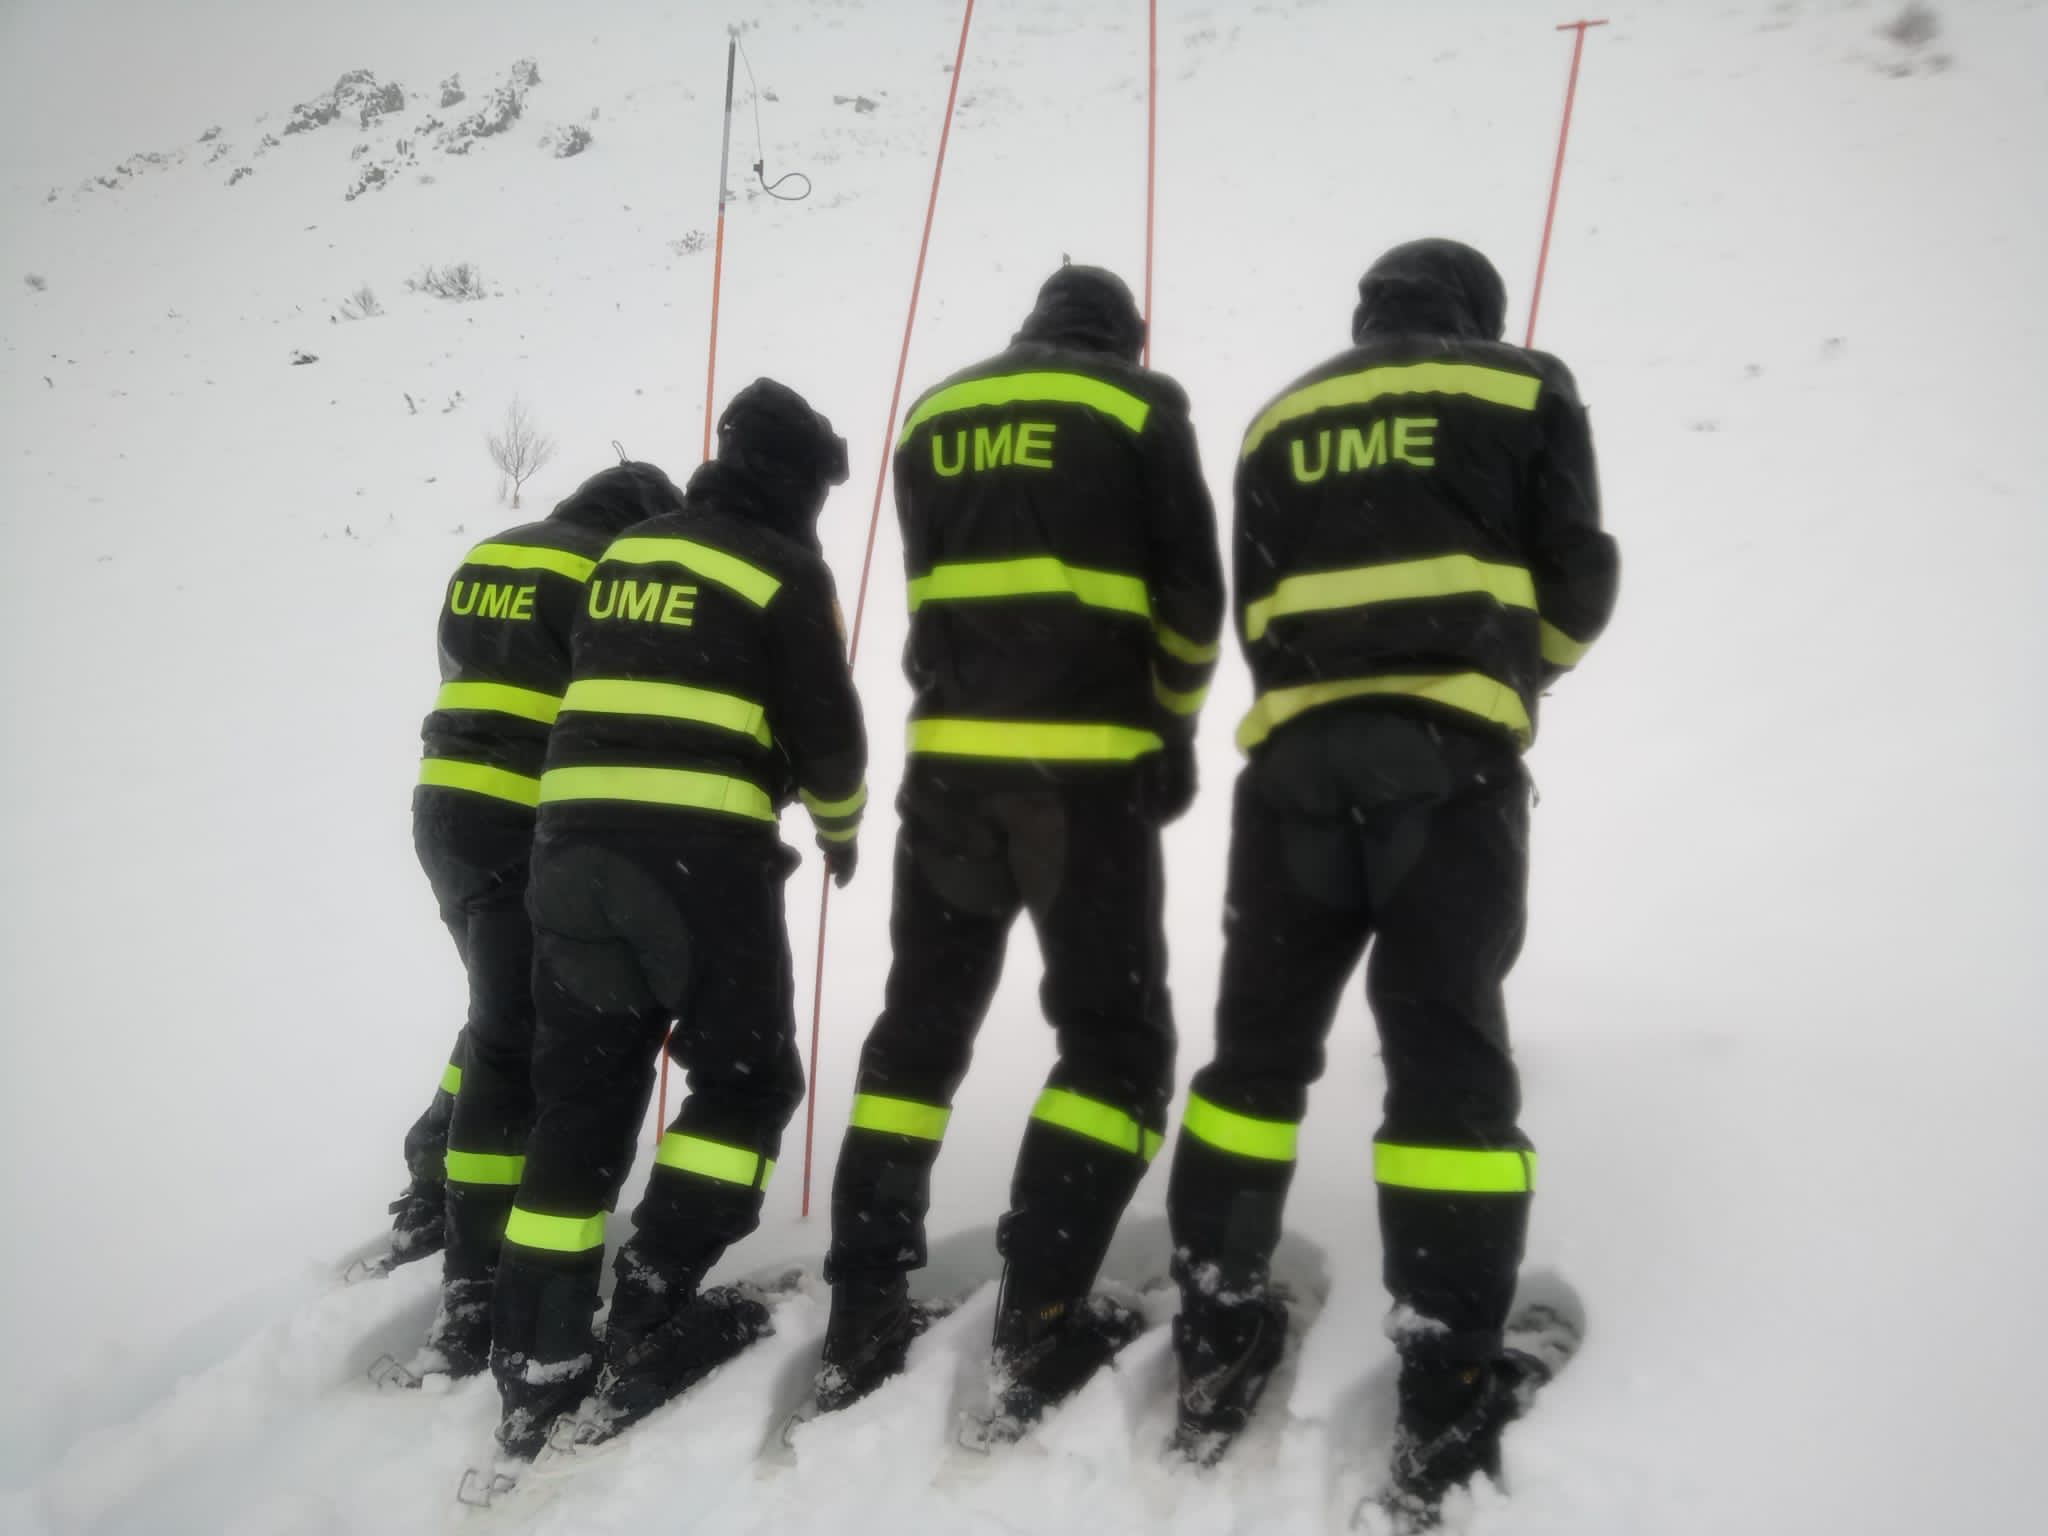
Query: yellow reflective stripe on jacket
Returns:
{"type": "Point", "coordinates": [1035, 576]}
{"type": "Point", "coordinates": [500, 699]}
{"type": "Point", "coordinates": [1189, 703]}
{"type": "Point", "coordinates": [1473, 692]}
{"type": "Point", "coordinates": [1454, 1170]}
{"type": "Point", "coordinates": [532, 557]}
{"type": "Point", "coordinates": [485, 1168]}
{"type": "Point", "coordinates": [714, 1160]}
{"type": "Point", "coordinates": [451, 1078]}
{"type": "Point", "coordinates": [1096, 1120]}
{"type": "Point", "coordinates": [837, 834]}
{"type": "Point", "coordinates": [1496, 386]}
{"type": "Point", "coordinates": [1560, 649]}
{"type": "Point", "coordinates": [835, 810]}
{"type": "Point", "coordinates": [729, 571]}
{"type": "Point", "coordinates": [1399, 581]}
{"type": "Point", "coordinates": [668, 701]}
{"type": "Point", "coordinates": [480, 779]}
{"type": "Point", "coordinates": [1032, 740]}
{"type": "Point", "coordinates": [1030, 388]}
{"type": "Point", "coordinates": [679, 787]}
{"type": "Point", "coordinates": [1181, 648]}
{"type": "Point", "coordinates": [1271, 1141]}
{"type": "Point", "coordinates": [899, 1117]}
{"type": "Point", "coordinates": [557, 1234]}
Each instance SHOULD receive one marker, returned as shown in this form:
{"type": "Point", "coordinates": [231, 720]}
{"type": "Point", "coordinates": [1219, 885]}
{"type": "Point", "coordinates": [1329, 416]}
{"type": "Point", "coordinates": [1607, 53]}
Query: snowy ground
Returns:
{"type": "Point", "coordinates": [1779, 1012]}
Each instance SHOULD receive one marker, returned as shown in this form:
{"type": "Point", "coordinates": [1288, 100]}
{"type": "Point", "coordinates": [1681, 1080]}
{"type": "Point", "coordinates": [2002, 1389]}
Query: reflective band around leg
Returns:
{"type": "Point", "coordinates": [1271, 1141]}
{"type": "Point", "coordinates": [1091, 1118]}
{"type": "Point", "coordinates": [485, 1168]}
{"type": "Point", "coordinates": [1032, 740]}
{"type": "Point", "coordinates": [1454, 1170]}
{"type": "Point", "coordinates": [714, 1160]}
{"type": "Point", "coordinates": [480, 779]}
{"type": "Point", "coordinates": [557, 1234]}
{"type": "Point", "coordinates": [451, 1079]}
{"type": "Point", "coordinates": [899, 1117]}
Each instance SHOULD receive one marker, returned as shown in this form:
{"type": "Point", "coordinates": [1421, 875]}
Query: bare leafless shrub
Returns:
{"type": "Point", "coordinates": [460, 280]}
{"type": "Point", "coordinates": [520, 451]}
{"type": "Point", "coordinates": [361, 305]}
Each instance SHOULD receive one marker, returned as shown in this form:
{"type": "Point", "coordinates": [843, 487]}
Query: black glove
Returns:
{"type": "Point", "coordinates": [1166, 783]}
{"type": "Point", "coordinates": [840, 859]}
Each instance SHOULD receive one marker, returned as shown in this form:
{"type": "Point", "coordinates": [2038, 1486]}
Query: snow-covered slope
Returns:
{"type": "Point", "coordinates": [1779, 1013]}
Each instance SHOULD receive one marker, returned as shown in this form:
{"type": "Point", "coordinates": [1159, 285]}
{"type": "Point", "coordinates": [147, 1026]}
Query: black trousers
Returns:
{"type": "Point", "coordinates": [635, 931]}
{"type": "Point", "coordinates": [1351, 825]}
{"type": "Point", "coordinates": [476, 853]}
{"type": "Point", "coordinates": [1086, 866]}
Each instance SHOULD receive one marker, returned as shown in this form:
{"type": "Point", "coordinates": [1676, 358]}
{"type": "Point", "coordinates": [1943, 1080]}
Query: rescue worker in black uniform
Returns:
{"type": "Point", "coordinates": [1418, 555]}
{"type": "Point", "coordinates": [1066, 597]}
{"type": "Point", "coordinates": [709, 687]}
{"type": "Point", "coordinates": [504, 642]}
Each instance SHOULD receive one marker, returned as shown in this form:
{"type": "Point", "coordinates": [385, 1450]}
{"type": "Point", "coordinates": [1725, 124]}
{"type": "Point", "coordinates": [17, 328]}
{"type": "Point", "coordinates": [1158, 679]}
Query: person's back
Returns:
{"type": "Point", "coordinates": [1065, 593]}
{"type": "Point", "coordinates": [1418, 553]}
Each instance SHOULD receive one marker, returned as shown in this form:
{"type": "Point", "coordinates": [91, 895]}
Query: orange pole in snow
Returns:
{"type": "Point", "coordinates": [1557, 171]}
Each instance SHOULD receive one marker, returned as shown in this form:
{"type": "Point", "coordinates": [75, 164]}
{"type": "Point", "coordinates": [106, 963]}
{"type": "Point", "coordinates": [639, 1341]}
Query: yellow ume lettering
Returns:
{"type": "Point", "coordinates": [1361, 449]}
{"type": "Point", "coordinates": [1023, 445]}
{"type": "Point", "coordinates": [644, 602]}
{"type": "Point", "coordinates": [490, 600]}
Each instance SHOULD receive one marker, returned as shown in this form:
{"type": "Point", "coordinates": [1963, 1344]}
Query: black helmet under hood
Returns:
{"type": "Point", "coordinates": [1431, 287]}
{"type": "Point", "coordinates": [776, 455]}
{"type": "Point", "coordinates": [1088, 308]}
{"type": "Point", "coordinates": [617, 497]}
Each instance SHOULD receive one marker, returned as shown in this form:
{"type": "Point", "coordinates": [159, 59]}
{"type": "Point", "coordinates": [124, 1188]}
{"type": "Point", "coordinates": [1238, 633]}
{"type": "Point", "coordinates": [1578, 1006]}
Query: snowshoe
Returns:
{"type": "Point", "coordinates": [1226, 1355]}
{"type": "Point", "coordinates": [647, 1371]}
{"type": "Point", "coordinates": [458, 1345]}
{"type": "Point", "coordinates": [1042, 1358]}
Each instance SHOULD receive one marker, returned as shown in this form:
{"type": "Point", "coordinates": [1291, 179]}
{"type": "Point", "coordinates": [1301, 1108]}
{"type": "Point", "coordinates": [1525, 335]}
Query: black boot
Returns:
{"type": "Point", "coordinates": [459, 1342]}
{"type": "Point", "coordinates": [1046, 1350]}
{"type": "Point", "coordinates": [645, 1370]}
{"type": "Point", "coordinates": [867, 1338]}
{"type": "Point", "coordinates": [1227, 1350]}
{"type": "Point", "coordinates": [1449, 1432]}
{"type": "Point", "coordinates": [532, 1394]}
{"type": "Point", "coordinates": [419, 1221]}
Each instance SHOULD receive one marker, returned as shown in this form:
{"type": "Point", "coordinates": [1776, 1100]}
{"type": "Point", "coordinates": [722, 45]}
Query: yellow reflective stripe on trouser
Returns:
{"type": "Point", "coordinates": [1181, 648]}
{"type": "Point", "coordinates": [714, 1160]}
{"type": "Point", "coordinates": [451, 1078]}
{"type": "Point", "coordinates": [1560, 649]}
{"type": "Point", "coordinates": [1496, 386]}
{"type": "Point", "coordinates": [1032, 740]}
{"type": "Point", "coordinates": [480, 779]}
{"type": "Point", "coordinates": [1096, 1120]}
{"type": "Point", "coordinates": [729, 571]}
{"type": "Point", "coordinates": [899, 1117]}
{"type": "Point", "coordinates": [500, 699]}
{"type": "Point", "coordinates": [1036, 576]}
{"type": "Point", "coordinates": [1473, 692]}
{"type": "Point", "coordinates": [532, 557]}
{"type": "Point", "coordinates": [1030, 388]}
{"type": "Point", "coordinates": [485, 1168]}
{"type": "Point", "coordinates": [1271, 1141]}
{"type": "Point", "coordinates": [668, 701]}
{"type": "Point", "coordinates": [1454, 1170]}
{"type": "Point", "coordinates": [835, 810]}
{"type": "Point", "coordinates": [558, 1234]}
{"type": "Point", "coordinates": [679, 787]}
{"type": "Point", "coordinates": [1396, 582]}
{"type": "Point", "coordinates": [1189, 703]}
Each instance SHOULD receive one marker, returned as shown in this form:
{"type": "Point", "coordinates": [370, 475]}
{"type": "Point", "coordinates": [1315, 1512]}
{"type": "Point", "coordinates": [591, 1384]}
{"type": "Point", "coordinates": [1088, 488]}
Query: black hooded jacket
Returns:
{"type": "Point", "coordinates": [709, 675]}
{"type": "Point", "coordinates": [504, 636]}
{"type": "Point", "coordinates": [1418, 519]}
{"type": "Point", "coordinates": [1065, 587]}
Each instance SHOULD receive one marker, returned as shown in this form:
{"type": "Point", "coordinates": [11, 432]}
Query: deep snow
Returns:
{"type": "Point", "coordinates": [1778, 1013]}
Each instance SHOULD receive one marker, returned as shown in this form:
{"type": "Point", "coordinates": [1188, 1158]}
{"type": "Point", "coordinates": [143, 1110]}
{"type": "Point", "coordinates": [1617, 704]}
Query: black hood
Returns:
{"type": "Point", "coordinates": [1087, 308]}
{"type": "Point", "coordinates": [777, 459]}
{"type": "Point", "coordinates": [1431, 287]}
{"type": "Point", "coordinates": [614, 499]}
